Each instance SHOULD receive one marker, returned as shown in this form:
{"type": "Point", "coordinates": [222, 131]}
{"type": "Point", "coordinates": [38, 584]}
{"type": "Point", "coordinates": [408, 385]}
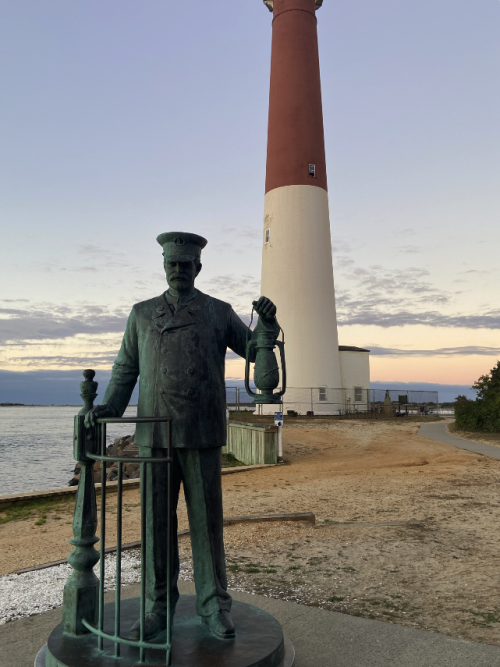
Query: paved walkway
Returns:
{"type": "Point", "coordinates": [321, 638]}
{"type": "Point", "coordinates": [438, 431]}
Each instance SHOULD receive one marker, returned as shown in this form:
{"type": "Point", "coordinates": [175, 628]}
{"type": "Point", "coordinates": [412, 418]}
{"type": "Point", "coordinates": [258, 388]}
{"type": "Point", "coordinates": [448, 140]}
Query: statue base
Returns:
{"type": "Point", "coordinates": [259, 641]}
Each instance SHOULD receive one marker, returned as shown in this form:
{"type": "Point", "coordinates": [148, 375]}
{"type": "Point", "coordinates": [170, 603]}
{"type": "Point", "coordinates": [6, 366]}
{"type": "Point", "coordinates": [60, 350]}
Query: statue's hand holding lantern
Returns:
{"type": "Point", "coordinates": [261, 348]}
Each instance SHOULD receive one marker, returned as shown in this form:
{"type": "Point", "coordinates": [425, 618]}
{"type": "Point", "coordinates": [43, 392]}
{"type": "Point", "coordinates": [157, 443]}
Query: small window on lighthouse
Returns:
{"type": "Point", "coordinates": [267, 236]}
{"type": "Point", "coordinates": [312, 170]}
{"type": "Point", "coordinates": [322, 394]}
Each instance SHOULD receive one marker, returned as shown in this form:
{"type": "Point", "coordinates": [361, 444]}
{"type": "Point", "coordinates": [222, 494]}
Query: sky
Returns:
{"type": "Point", "coordinates": [122, 120]}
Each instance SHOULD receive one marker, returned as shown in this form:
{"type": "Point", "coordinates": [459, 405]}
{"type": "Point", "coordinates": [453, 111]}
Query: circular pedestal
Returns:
{"type": "Point", "coordinates": [259, 641]}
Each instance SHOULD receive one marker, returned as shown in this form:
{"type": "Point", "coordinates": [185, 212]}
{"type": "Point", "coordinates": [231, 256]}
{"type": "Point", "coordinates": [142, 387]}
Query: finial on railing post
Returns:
{"type": "Point", "coordinates": [88, 389]}
{"type": "Point", "coordinates": [80, 598]}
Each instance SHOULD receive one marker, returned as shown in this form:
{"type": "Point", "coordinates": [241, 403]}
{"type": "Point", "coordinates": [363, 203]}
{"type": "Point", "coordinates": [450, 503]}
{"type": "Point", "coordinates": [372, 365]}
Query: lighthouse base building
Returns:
{"type": "Point", "coordinates": [297, 271]}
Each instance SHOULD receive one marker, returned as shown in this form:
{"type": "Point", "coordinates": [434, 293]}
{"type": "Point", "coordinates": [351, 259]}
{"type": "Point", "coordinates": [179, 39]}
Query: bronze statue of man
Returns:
{"type": "Point", "coordinates": [176, 345]}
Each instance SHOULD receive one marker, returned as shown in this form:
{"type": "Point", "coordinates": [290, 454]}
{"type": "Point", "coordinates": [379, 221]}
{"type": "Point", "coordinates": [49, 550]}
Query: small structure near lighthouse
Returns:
{"type": "Point", "coordinates": [297, 270]}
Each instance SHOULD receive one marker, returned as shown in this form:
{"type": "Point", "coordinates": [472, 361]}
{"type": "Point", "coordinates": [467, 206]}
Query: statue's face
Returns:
{"type": "Point", "coordinates": [181, 275]}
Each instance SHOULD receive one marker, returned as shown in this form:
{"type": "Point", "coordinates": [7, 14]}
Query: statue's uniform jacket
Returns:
{"type": "Point", "coordinates": [179, 359]}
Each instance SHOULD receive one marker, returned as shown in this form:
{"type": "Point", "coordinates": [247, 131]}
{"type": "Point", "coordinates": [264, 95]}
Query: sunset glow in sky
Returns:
{"type": "Point", "coordinates": [122, 120]}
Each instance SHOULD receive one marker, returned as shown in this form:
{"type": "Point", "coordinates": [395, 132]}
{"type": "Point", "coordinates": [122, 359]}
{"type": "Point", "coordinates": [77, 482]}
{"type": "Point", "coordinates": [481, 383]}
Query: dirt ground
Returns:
{"type": "Point", "coordinates": [407, 528]}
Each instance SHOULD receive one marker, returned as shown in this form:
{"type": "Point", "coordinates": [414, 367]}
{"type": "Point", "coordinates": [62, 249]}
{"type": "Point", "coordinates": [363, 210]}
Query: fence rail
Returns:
{"type": "Point", "coordinates": [330, 400]}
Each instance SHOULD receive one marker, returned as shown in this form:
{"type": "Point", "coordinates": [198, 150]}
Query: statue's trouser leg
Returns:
{"type": "Point", "coordinates": [156, 531]}
{"type": "Point", "coordinates": [201, 476]}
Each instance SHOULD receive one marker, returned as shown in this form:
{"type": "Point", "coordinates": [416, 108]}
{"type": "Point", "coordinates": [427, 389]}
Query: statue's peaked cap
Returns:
{"type": "Point", "coordinates": [181, 246]}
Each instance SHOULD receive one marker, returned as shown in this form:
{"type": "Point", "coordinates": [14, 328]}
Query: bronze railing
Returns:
{"type": "Point", "coordinates": [83, 600]}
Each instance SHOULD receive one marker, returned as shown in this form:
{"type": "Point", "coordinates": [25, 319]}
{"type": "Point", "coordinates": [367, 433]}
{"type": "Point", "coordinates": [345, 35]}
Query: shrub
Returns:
{"type": "Point", "coordinates": [483, 414]}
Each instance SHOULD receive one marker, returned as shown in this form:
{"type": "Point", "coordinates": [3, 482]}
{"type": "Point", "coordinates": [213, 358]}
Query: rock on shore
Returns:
{"type": "Point", "coordinates": [121, 447]}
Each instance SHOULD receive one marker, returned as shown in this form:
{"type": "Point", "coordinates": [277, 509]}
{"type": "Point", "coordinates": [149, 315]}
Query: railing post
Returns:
{"type": "Point", "coordinates": [80, 596]}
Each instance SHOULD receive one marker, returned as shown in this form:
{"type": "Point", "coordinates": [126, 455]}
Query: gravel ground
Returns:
{"type": "Point", "coordinates": [31, 593]}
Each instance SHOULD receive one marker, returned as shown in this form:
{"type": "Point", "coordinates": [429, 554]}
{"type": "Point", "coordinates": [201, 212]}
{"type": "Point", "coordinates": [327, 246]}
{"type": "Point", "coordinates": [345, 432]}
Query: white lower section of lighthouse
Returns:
{"type": "Point", "coordinates": [297, 274]}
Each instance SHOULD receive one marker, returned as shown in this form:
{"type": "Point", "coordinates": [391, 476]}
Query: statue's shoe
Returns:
{"type": "Point", "coordinates": [154, 623]}
{"type": "Point", "coordinates": [220, 624]}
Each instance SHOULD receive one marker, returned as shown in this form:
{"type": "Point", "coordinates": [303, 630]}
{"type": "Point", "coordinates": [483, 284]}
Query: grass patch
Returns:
{"type": "Point", "coordinates": [388, 604]}
{"type": "Point", "coordinates": [230, 461]}
{"type": "Point", "coordinates": [36, 508]}
{"type": "Point", "coordinates": [485, 618]}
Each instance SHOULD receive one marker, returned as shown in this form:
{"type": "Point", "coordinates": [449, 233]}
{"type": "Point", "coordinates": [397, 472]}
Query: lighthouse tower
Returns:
{"type": "Point", "coordinates": [297, 271]}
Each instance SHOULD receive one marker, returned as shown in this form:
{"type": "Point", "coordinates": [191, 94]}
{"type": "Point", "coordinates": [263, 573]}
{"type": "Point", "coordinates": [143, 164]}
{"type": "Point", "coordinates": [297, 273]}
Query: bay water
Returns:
{"type": "Point", "coordinates": [36, 446]}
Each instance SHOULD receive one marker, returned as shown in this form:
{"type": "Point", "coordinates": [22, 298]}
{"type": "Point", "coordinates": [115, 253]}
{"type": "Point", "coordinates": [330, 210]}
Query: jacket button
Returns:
{"type": "Point", "coordinates": [190, 370]}
{"type": "Point", "coordinates": [190, 391]}
{"type": "Point", "coordinates": [164, 369]}
{"type": "Point", "coordinates": [161, 391]}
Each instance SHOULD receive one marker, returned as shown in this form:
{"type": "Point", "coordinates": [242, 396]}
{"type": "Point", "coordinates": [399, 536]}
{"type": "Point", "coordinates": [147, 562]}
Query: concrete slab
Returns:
{"type": "Point", "coordinates": [321, 638]}
{"type": "Point", "coordinates": [438, 432]}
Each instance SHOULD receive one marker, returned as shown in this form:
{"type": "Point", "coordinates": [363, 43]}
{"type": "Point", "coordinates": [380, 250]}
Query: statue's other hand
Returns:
{"type": "Point", "coordinates": [265, 308]}
{"type": "Point", "coordinates": [99, 412]}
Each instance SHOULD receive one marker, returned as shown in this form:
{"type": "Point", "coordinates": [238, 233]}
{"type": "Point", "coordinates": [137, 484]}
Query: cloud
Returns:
{"type": "Point", "coordinates": [52, 321]}
{"type": "Point", "coordinates": [477, 271]}
{"type": "Point", "coordinates": [95, 250]}
{"type": "Point", "coordinates": [243, 232]}
{"type": "Point", "coordinates": [58, 387]}
{"type": "Point", "coordinates": [381, 285]}
{"type": "Point", "coordinates": [97, 258]}
{"type": "Point", "coordinates": [376, 296]}
{"type": "Point", "coordinates": [340, 245]}
{"type": "Point", "coordinates": [15, 300]}
{"type": "Point", "coordinates": [49, 321]}
{"type": "Point", "coordinates": [232, 355]}
{"type": "Point", "coordinates": [239, 291]}
{"type": "Point", "coordinates": [443, 351]}
{"type": "Point", "coordinates": [251, 233]}
{"type": "Point", "coordinates": [87, 361]}
{"type": "Point", "coordinates": [46, 387]}
{"type": "Point", "coordinates": [410, 249]}
{"type": "Point", "coordinates": [372, 317]}
{"type": "Point", "coordinates": [341, 262]}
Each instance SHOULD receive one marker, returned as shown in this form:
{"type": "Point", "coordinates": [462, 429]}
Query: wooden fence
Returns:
{"type": "Point", "coordinates": [252, 443]}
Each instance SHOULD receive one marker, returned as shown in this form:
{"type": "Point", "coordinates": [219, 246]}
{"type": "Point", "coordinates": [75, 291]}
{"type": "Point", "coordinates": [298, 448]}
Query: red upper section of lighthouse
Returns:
{"type": "Point", "coordinates": [295, 135]}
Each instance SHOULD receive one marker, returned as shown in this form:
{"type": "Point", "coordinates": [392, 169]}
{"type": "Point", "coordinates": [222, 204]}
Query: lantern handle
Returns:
{"type": "Point", "coordinates": [280, 344]}
{"type": "Point", "coordinates": [249, 345]}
